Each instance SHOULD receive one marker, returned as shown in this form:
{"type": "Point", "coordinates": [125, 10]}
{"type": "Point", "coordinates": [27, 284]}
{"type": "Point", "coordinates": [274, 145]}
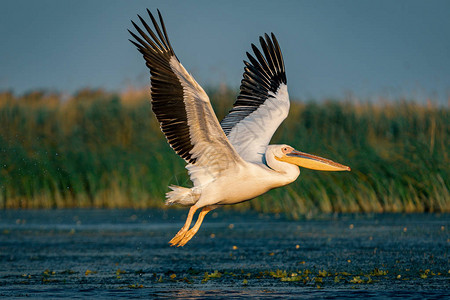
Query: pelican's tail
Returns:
{"type": "Point", "coordinates": [181, 195]}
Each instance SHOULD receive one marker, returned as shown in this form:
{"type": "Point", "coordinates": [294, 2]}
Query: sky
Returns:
{"type": "Point", "coordinates": [332, 49]}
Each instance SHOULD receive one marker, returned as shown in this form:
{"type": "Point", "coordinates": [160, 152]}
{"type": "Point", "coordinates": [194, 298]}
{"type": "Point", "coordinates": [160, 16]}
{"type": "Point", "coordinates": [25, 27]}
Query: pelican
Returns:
{"type": "Point", "coordinates": [228, 162]}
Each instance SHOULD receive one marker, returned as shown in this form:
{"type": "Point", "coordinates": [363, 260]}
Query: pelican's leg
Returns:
{"type": "Point", "coordinates": [185, 228]}
{"type": "Point", "coordinates": [196, 227]}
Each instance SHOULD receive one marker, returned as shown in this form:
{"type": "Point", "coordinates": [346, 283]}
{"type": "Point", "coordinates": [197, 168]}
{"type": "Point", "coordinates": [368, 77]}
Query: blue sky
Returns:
{"type": "Point", "coordinates": [371, 49]}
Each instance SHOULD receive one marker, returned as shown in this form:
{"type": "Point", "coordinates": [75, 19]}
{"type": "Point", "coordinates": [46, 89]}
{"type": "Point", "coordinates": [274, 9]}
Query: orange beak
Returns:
{"type": "Point", "coordinates": [313, 162]}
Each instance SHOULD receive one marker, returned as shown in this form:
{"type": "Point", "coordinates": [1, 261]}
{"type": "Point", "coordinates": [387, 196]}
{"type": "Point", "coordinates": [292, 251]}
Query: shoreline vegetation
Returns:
{"type": "Point", "coordinates": [105, 149]}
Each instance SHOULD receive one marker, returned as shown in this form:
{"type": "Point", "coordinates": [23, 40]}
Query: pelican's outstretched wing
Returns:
{"type": "Point", "coordinates": [262, 104]}
{"type": "Point", "coordinates": [182, 107]}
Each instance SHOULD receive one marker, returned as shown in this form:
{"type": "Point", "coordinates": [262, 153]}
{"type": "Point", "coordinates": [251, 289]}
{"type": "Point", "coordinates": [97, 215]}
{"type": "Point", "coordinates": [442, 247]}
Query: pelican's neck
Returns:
{"type": "Point", "coordinates": [288, 172]}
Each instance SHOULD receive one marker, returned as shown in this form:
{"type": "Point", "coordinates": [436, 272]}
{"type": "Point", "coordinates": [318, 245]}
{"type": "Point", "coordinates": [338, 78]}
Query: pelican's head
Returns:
{"type": "Point", "coordinates": [287, 154]}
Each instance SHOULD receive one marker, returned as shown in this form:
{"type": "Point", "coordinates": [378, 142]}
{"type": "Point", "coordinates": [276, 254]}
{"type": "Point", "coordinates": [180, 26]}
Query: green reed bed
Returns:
{"type": "Point", "coordinates": [101, 149]}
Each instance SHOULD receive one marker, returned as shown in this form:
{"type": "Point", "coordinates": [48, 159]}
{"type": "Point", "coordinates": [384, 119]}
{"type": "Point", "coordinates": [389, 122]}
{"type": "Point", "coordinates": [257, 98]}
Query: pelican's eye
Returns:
{"type": "Point", "coordinates": [285, 150]}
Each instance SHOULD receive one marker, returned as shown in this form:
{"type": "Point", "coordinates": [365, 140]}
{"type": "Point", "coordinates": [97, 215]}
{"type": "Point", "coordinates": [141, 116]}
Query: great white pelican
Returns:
{"type": "Point", "coordinates": [229, 161]}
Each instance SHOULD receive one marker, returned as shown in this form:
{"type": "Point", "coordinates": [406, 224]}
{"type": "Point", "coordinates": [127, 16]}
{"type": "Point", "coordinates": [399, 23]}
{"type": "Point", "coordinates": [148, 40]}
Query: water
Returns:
{"type": "Point", "coordinates": [125, 253]}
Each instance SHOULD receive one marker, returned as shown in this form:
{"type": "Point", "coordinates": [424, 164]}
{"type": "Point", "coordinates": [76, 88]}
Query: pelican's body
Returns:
{"type": "Point", "coordinates": [245, 182]}
{"type": "Point", "coordinates": [231, 161]}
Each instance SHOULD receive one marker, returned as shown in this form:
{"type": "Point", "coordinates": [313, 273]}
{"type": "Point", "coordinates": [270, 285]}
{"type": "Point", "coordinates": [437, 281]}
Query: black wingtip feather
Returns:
{"type": "Point", "coordinates": [166, 90]}
{"type": "Point", "coordinates": [262, 74]}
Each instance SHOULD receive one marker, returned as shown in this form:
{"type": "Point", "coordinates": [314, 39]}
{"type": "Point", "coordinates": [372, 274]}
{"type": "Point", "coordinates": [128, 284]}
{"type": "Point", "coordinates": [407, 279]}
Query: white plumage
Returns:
{"type": "Point", "coordinates": [232, 161]}
{"type": "Point", "coordinates": [251, 136]}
